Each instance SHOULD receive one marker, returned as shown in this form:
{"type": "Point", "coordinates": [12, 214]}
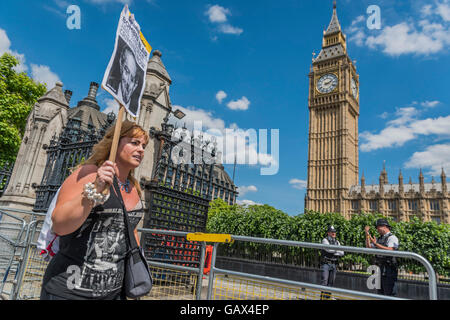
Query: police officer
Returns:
{"type": "Point", "coordinates": [329, 258]}
{"type": "Point", "coordinates": [387, 265]}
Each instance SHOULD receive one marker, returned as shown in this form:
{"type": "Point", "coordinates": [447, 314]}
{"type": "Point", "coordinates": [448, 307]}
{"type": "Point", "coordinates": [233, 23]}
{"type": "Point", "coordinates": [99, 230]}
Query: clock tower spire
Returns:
{"type": "Point", "coordinates": [333, 123]}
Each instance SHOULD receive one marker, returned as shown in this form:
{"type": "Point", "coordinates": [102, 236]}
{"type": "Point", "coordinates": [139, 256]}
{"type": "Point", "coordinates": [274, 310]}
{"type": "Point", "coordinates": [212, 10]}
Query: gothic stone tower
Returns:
{"type": "Point", "coordinates": [46, 119]}
{"type": "Point", "coordinates": [333, 124]}
{"type": "Point", "coordinates": [155, 107]}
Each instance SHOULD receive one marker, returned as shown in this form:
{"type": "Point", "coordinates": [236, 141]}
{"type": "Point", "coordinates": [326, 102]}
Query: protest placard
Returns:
{"type": "Point", "coordinates": [125, 75]}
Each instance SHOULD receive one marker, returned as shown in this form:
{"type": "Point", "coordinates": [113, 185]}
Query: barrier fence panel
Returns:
{"type": "Point", "coordinates": [32, 273]}
{"type": "Point", "coordinates": [175, 278]}
{"type": "Point", "coordinates": [303, 264]}
{"type": "Point", "coordinates": [361, 259]}
{"type": "Point", "coordinates": [12, 244]}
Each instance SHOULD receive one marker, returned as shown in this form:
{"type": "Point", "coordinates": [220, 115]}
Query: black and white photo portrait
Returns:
{"type": "Point", "coordinates": [125, 76]}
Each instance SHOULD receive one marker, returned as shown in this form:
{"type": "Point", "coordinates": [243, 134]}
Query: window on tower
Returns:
{"type": "Point", "coordinates": [412, 205]}
{"type": "Point", "coordinates": [434, 205]}
{"type": "Point", "coordinates": [392, 204]}
{"type": "Point", "coordinates": [373, 205]}
{"type": "Point", "coordinates": [436, 219]}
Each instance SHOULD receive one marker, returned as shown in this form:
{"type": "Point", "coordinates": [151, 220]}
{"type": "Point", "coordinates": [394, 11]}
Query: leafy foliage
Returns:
{"type": "Point", "coordinates": [18, 93]}
{"type": "Point", "coordinates": [428, 239]}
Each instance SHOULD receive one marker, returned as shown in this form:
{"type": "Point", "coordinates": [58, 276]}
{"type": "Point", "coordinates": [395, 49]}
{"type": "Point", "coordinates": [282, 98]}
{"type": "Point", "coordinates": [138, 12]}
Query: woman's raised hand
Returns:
{"type": "Point", "coordinates": [105, 175]}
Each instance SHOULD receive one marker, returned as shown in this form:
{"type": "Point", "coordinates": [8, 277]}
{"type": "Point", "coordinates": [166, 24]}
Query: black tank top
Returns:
{"type": "Point", "coordinates": [90, 261]}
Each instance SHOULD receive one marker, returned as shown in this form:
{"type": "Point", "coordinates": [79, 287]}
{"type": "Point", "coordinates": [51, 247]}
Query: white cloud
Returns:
{"type": "Point", "coordinates": [426, 10]}
{"type": "Point", "coordinates": [220, 96]}
{"type": "Point", "coordinates": [243, 190]}
{"type": "Point", "coordinates": [111, 106]}
{"type": "Point", "coordinates": [356, 31]}
{"type": "Point", "coordinates": [5, 43]}
{"type": "Point", "coordinates": [217, 13]}
{"type": "Point", "coordinates": [241, 104]}
{"type": "Point", "coordinates": [248, 203]}
{"type": "Point", "coordinates": [219, 16]}
{"type": "Point", "coordinates": [298, 184]}
{"type": "Point", "coordinates": [443, 9]}
{"type": "Point", "coordinates": [387, 138]}
{"type": "Point", "coordinates": [43, 74]}
{"type": "Point", "coordinates": [404, 115]}
{"type": "Point", "coordinates": [358, 37]}
{"type": "Point", "coordinates": [405, 127]}
{"type": "Point", "coordinates": [384, 115]}
{"type": "Point", "coordinates": [430, 104]}
{"type": "Point", "coordinates": [425, 37]}
{"type": "Point", "coordinates": [194, 114]}
{"type": "Point", "coordinates": [434, 158]}
{"type": "Point", "coordinates": [5, 47]}
{"type": "Point", "coordinates": [229, 29]}
{"type": "Point", "coordinates": [358, 20]}
{"type": "Point", "coordinates": [432, 126]}
{"type": "Point", "coordinates": [40, 73]}
{"type": "Point", "coordinates": [232, 142]}
{"type": "Point", "coordinates": [404, 39]}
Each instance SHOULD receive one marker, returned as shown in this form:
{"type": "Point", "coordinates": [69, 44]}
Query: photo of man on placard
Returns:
{"type": "Point", "coordinates": [125, 77]}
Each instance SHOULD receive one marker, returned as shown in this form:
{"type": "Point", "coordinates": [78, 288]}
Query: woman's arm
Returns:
{"type": "Point", "coordinates": [72, 207]}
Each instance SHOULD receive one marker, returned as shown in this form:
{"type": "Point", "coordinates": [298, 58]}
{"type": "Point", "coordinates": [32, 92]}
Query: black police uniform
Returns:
{"type": "Point", "coordinates": [328, 264]}
{"type": "Point", "coordinates": [388, 265]}
{"type": "Point", "coordinates": [388, 269]}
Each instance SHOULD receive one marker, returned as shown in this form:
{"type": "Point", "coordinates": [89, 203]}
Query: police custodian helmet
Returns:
{"type": "Point", "coordinates": [331, 229]}
{"type": "Point", "coordinates": [382, 222]}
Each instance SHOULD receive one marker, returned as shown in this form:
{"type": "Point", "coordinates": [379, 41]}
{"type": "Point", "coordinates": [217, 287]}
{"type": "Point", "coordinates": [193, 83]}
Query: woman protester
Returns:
{"type": "Point", "coordinates": [93, 236]}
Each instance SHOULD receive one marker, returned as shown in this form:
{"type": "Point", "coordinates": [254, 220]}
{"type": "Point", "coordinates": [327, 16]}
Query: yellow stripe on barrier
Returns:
{"type": "Point", "coordinates": [209, 237]}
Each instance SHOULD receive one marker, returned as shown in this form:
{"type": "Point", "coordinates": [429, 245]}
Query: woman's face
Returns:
{"type": "Point", "coordinates": [130, 151]}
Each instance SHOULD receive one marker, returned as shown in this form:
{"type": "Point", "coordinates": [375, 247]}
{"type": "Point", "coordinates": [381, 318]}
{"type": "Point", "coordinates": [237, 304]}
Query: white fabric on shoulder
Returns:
{"type": "Point", "coordinates": [48, 241]}
{"type": "Point", "coordinates": [393, 242]}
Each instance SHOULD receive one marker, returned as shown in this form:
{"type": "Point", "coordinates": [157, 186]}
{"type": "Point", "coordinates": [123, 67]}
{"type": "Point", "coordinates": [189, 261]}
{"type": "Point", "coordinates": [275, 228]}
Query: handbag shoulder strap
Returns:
{"type": "Point", "coordinates": [131, 238]}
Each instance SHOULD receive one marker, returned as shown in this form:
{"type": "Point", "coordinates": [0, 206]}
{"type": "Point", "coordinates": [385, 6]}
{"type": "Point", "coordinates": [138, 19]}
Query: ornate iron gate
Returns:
{"type": "Point", "coordinates": [5, 174]}
{"type": "Point", "coordinates": [180, 192]}
{"type": "Point", "coordinates": [63, 154]}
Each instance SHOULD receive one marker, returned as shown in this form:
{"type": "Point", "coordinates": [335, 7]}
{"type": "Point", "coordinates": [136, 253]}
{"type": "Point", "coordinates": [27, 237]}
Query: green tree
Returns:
{"type": "Point", "coordinates": [18, 93]}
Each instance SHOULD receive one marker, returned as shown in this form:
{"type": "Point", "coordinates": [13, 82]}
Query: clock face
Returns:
{"type": "Point", "coordinates": [354, 88]}
{"type": "Point", "coordinates": [327, 83]}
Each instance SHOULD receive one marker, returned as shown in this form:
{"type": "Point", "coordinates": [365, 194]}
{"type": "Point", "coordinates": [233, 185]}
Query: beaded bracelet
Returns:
{"type": "Point", "coordinates": [90, 192]}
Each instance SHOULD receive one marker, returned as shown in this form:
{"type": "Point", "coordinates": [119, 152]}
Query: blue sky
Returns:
{"type": "Point", "coordinates": [259, 54]}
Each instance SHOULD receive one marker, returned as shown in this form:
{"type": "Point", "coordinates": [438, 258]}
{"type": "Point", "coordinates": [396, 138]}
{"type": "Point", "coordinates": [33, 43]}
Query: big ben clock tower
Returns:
{"type": "Point", "coordinates": [333, 124]}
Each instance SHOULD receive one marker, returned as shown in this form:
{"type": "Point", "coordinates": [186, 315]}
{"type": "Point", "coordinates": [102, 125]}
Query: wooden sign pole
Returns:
{"type": "Point", "coordinates": [116, 137]}
{"type": "Point", "coordinates": [117, 129]}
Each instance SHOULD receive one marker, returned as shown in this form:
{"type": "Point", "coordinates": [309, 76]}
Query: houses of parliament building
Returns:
{"type": "Point", "coordinates": [333, 168]}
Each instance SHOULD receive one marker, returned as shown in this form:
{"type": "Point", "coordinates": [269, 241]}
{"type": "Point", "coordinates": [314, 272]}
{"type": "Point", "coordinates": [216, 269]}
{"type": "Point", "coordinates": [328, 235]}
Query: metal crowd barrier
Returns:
{"type": "Point", "coordinates": [13, 237]}
{"type": "Point", "coordinates": [308, 290]}
{"type": "Point", "coordinates": [175, 281]}
{"type": "Point", "coordinates": [22, 269]}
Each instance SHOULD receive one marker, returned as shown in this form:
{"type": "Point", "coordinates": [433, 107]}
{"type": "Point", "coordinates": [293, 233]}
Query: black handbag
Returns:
{"type": "Point", "coordinates": [137, 279]}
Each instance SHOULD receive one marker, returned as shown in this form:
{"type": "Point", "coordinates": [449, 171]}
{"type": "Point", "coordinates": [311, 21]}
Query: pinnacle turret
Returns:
{"type": "Point", "coordinates": [334, 25]}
